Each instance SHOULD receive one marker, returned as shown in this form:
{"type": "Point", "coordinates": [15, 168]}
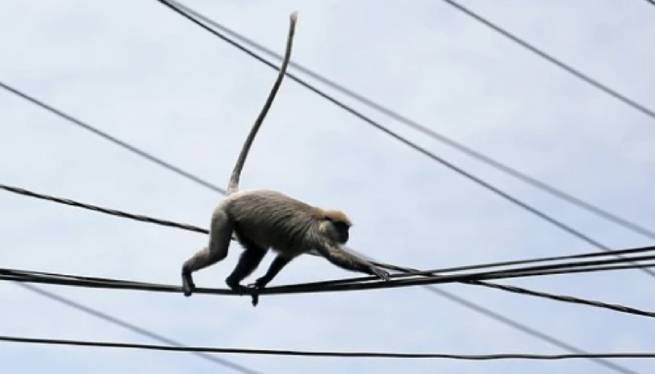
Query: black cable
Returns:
{"type": "Point", "coordinates": [524, 328]}
{"type": "Point", "coordinates": [561, 225]}
{"type": "Point", "coordinates": [96, 208]}
{"type": "Point", "coordinates": [310, 287]}
{"type": "Point", "coordinates": [133, 328]}
{"type": "Point", "coordinates": [113, 139]}
{"type": "Point", "coordinates": [474, 278]}
{"type": "Point", "coordinates": [568, 68]}
{"type": "Point", "coordinates": [280, 352]}
{"type": "Point", "coordinates": [540, 184]}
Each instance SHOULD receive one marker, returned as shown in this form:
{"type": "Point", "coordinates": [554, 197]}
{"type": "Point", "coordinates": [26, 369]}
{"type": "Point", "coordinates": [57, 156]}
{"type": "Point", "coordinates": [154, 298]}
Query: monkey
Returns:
{"type": "Point", "coordinates": [264, 219]}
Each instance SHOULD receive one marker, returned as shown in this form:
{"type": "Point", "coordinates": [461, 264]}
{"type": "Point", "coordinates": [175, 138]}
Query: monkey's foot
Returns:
{"type": "Point", "coordinates": [254, 292]}
{"type": "Point", "coordinates": [380, 274]}
{"type": "Point", "coordinates": [187, 284]}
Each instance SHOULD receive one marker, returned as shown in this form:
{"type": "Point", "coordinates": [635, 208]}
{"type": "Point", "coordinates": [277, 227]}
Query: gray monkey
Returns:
{"type": "Point", "coordinates": [263, 219]}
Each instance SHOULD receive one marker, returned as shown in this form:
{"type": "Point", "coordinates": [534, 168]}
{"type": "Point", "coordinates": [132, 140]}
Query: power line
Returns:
{"type": "Point", "coordinates": [477, 180]}
{"type": "Point", "coordinates": [121, 143]}
{"type": "Point", "coordinates": [96, 208]}
{"type": "Point", "coordinates": [548, 57]}
{"type": "Point", "coordinates": [473, 278]}
{"type": "Point", "coordinates": [425, 130]}
{"type": "Point", "coordinates": [133, 327]}
{"type": "Point", "coordinates": [280, 352]}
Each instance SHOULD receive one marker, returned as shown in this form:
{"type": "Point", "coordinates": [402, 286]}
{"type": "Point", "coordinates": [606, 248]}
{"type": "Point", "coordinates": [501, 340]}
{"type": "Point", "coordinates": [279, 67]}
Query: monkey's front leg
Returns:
{"type": "Point", "coordinates": [278, 263]}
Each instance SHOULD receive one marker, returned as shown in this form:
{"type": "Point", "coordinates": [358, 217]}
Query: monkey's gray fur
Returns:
{"type": "Point", "coordinates": [264, 219]}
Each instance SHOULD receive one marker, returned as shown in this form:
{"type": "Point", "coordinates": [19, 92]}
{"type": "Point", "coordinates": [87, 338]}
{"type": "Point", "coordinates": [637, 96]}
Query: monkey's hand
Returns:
{"type": "Point", "coordinates": [380, 273]}
{"type": "Point", "coordinates": [187, 283]}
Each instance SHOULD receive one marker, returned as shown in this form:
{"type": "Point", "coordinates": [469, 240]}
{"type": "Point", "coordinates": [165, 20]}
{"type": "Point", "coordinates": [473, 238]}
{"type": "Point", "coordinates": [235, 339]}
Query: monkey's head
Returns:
{"type": "Point", "coordinates": [335, 224]}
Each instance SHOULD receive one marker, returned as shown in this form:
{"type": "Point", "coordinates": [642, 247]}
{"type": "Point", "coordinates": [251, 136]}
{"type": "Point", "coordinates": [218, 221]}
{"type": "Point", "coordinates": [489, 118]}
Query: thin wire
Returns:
{"type": "Point", "coordinates": [113, 139]}
{"type": "Point", "coordinates": [96, 208]}
{"type": "Point", "coordinates": [564, 66]}
{"type": "Point", "coordinates": [280, 352]}
{"type": "Point", "coordinates": [132, 327]}
{"type": "Point", "coordinates": [524, 328]}
{"type": "Point", "coordinates": [535, 211]}
{"type": "Point", "coordinates": [540, 184]}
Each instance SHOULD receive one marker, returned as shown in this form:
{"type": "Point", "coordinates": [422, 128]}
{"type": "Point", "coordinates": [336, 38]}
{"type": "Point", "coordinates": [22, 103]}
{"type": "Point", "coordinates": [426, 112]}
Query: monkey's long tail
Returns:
{"type": "Point", "coordinates": [233, 185]}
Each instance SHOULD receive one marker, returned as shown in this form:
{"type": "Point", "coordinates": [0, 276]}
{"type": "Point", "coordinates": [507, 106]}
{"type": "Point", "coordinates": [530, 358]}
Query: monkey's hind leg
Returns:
{"type": "Point", "coordinates": [249, 260]}
{"type": "Point", "coordinates": [219, 241]}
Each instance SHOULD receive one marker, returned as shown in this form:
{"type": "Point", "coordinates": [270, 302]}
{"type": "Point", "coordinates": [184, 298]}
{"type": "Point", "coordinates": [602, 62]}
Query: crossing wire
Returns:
{"type": "Point", "coordinates": [548, 57]}
{"type": "Point", "coordinates": [425, 130]}
{"type": "Point", "coordinates": [133, 327]}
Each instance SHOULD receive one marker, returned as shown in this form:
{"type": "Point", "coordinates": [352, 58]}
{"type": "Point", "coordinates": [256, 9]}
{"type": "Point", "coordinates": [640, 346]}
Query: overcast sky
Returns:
{"type": "Point", "coordinates": [144, 74]}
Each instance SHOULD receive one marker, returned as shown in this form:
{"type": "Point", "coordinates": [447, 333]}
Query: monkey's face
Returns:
{"type": "Point", "coordinates": [336, 230]}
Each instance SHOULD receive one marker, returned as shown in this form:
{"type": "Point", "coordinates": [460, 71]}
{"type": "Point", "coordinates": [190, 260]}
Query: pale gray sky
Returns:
{"type": "Point", "coordinates": [144, 74]}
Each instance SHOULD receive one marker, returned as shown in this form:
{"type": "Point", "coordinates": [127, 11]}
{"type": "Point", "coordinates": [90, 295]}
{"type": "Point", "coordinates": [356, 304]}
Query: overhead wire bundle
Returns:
{"type": "Point", "coordinates": [415, 277]}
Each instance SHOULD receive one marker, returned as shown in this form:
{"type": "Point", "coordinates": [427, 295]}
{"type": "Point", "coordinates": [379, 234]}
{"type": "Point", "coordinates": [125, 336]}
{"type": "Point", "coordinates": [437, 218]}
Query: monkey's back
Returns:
{"type": "Point", "coordinates": [271, 219]}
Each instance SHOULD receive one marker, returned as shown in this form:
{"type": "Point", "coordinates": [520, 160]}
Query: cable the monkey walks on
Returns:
{"type": "Point", "coordinates": [263, 219]}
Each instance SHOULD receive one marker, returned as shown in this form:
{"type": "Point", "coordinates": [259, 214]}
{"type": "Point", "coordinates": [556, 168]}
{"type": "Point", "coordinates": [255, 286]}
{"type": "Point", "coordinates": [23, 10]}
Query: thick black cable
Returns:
{"type": "Point", "coordinates": [354, 354]}
{"type": "Point", "coordinates": [133, 328]}
{"type": "Point", "coordinates": [311, 287]}
{"type": "Point", "coordinates": [351, 284]}
{"type": "Point", "coordinates": [535, 211]}
{"type": "Point", "coordinates": [540, 184]}
{"type": "Point", "coordinates": [474, 278]}
{"type": "Point", "coordinates": [112, 139]}
{"type": "Point", "coordinates": [546, 56]}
